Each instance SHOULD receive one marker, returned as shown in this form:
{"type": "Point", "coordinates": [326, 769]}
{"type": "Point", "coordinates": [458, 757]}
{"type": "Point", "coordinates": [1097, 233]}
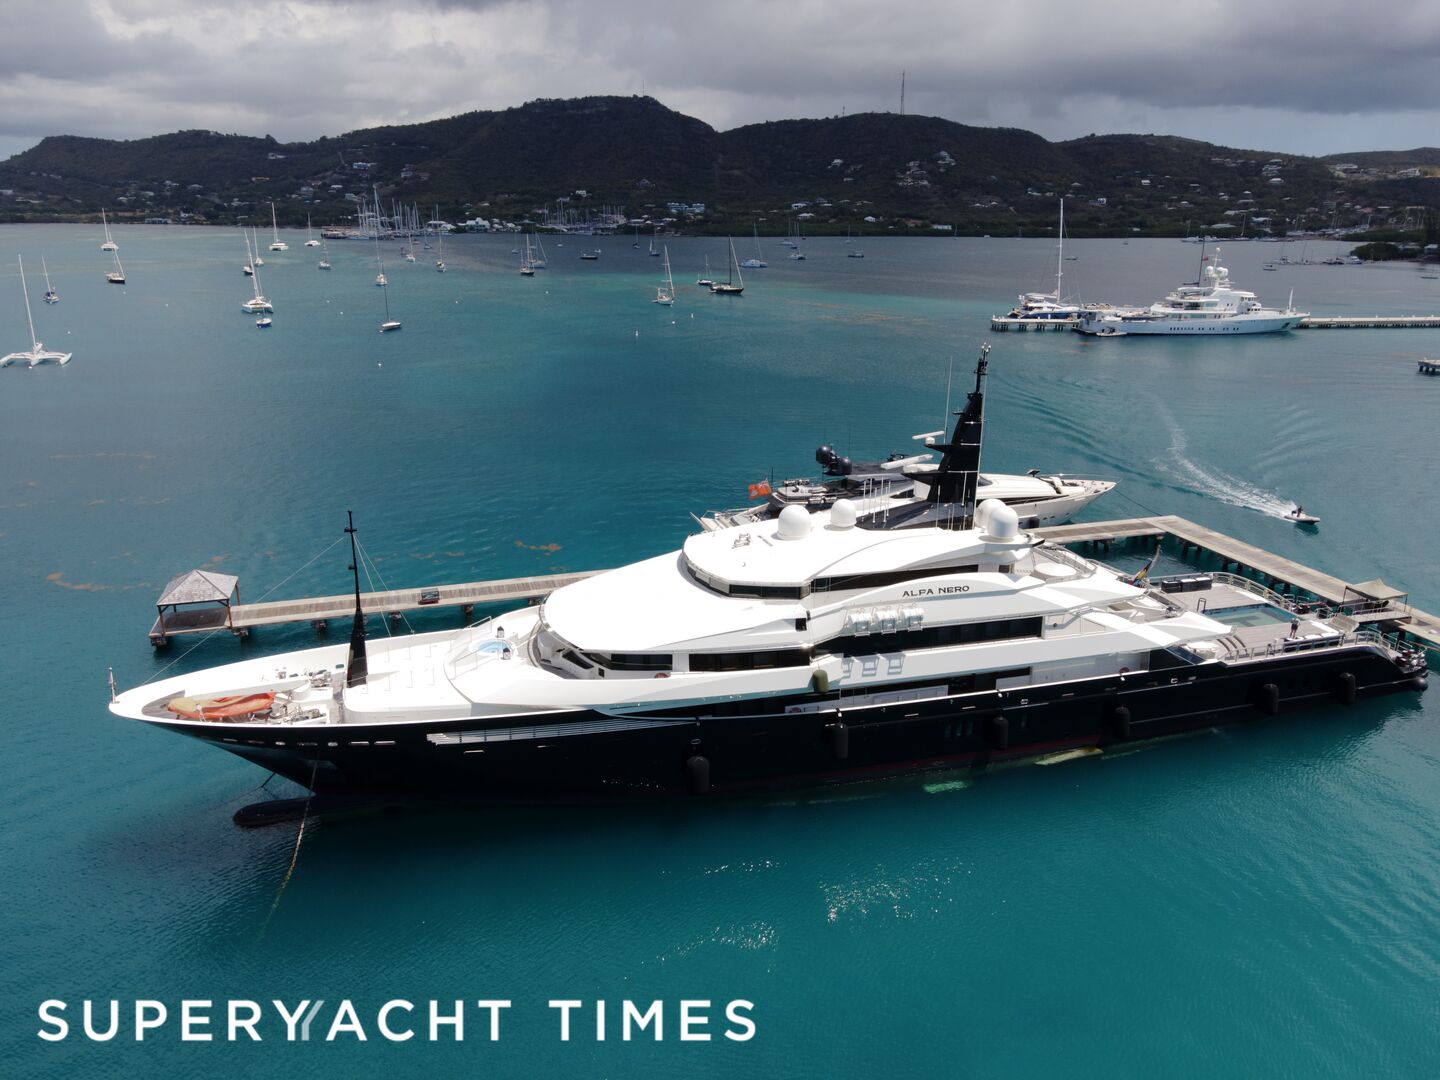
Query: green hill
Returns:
{"type": "Point", "coordinates": [633, 154]}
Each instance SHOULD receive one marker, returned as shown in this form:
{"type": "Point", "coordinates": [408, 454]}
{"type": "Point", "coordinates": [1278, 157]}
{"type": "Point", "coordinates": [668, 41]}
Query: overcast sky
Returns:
{"type": "Point", "coordinates": [1305, 76]}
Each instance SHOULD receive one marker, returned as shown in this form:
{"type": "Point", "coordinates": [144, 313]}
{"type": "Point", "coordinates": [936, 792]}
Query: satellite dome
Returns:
{"type": "Point", "coordinates": [794, 523]}
{"type": "Point", "coordinates": [984, 510]}
{"type": "Point", "coordinates": [1002, 523]}
{"type": "Point", "coordinates": [842, 514]}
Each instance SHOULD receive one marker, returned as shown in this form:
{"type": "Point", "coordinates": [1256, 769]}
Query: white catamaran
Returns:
{"type": "Point", "coordinates": [277, 244]}
{"type": "Point", "coordinates": [37, 353]}
{"type": "Point", "coordinates": [109, 244]}
{"type": "Point", "coordinates": [257, 304]}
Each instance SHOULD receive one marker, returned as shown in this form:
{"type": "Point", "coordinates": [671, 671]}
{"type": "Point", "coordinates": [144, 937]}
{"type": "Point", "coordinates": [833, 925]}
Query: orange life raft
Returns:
{"type": "Point", "coordinates": [221, 708]}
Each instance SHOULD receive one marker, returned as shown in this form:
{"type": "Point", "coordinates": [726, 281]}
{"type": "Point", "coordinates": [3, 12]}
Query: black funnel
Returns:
{"type": "Point", "coordinates": [956, 481]}
{"type": "Point", "coordinates": [358, 668]}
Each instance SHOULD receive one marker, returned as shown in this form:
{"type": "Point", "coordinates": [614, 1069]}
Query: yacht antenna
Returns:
{"type": "Point", "coordinates": [358, 669]}
{"type": "Point", "coordinates": [945, 420]}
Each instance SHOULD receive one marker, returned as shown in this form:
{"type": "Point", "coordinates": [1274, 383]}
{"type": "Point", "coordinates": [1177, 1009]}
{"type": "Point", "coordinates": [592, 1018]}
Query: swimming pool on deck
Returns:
{"type": "Point", "coordinates": [1250, 615]}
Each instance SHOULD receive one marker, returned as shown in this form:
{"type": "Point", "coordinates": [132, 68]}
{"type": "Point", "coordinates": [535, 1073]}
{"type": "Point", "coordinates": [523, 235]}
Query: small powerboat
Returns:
{"type": "Point", "coordinates": [1299, 517]}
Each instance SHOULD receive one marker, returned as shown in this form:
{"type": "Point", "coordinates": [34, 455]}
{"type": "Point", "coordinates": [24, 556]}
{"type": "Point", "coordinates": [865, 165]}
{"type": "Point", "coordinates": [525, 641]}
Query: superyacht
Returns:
{"type": "Point", "coordinates": [1211, 305]}
{"type": "Point", "coordinates": [787, 652]}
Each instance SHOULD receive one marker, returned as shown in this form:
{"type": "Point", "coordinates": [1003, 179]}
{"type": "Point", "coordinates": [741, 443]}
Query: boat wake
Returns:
{"type": "Point", "coordinates": [1215, 482]}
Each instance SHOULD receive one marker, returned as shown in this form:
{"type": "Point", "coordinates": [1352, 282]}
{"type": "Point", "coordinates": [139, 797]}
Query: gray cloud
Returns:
{"type": "Point", "coordinates": [1316, 76]}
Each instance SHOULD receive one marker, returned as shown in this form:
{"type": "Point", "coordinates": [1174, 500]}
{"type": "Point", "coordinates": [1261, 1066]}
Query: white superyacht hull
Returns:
{"type": "Point", "coordinates": [1117, 325]}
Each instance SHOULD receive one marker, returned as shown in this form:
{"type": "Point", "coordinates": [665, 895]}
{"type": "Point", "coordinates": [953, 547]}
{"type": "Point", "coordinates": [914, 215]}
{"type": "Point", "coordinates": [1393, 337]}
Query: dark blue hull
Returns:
{"type": "Point", "coordinates": [592, 755]}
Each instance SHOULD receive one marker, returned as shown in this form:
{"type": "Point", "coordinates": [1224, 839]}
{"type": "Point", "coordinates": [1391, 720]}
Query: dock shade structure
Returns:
{"type": "Point", "coordinates": [1374, 595]}
{"type": "Point", "coordinates": [216, 592]}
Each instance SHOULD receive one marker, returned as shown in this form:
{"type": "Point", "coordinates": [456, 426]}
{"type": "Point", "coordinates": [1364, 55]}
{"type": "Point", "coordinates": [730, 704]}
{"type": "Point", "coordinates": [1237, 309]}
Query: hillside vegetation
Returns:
{"type": "Point", "coordinates": [633, 156]}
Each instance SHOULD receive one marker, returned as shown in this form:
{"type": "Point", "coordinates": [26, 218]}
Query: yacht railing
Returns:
{"type": "Point", "coordinates": [1235, 581]}
{"type": "Point", "coordinates": [1172, 607]}
{"type": "Point", "coordinates": [462, 656]}
{"type": "Point", "coordinates": [1356, 606]}
{"type": "Point", "coordinates": [1064, 556]}
{"type": "Point", "coordinates": [1388, 643]}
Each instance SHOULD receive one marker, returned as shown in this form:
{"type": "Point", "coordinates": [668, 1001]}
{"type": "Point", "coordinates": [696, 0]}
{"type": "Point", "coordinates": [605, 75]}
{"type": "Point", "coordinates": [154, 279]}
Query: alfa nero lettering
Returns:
{"type": "Point", "coordinates": [938, 590]}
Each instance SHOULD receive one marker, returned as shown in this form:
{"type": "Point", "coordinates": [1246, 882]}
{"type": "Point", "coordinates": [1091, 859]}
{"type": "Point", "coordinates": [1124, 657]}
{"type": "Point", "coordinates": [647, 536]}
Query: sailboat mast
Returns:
{"type": "Point", "coordinates": [26, 289]}
{"type": "Point", "coordinates": [358, 669]}
{"type": "Point", "coordinates": [1060, 251]}
{"type": "Point", "coordinates": [254, 269]}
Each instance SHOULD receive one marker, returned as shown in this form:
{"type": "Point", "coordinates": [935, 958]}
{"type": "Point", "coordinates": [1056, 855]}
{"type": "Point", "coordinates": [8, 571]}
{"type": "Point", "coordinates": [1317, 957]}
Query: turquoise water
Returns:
{"type": "Point", "coordinates": [1258, 901]}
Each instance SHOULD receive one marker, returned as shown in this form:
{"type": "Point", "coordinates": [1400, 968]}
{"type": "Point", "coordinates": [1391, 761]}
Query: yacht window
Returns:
{"type": "Point", "coordinates": [749, 661]}
{"type": "Point", "coordinates": [933, 637]}
{"type": "Point", "coordinates": [637, 661]}
{"type": "Point", "coordinates": [758, 592]}
{"type": "Point", "coordinates": [893, 577]}
{"type": "Point", "coordinates": [846, 581]}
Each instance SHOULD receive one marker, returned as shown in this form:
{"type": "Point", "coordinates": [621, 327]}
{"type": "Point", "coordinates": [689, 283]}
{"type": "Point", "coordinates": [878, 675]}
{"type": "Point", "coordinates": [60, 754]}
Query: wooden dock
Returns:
{"type": "Point", "coordinates": [1275, 571]}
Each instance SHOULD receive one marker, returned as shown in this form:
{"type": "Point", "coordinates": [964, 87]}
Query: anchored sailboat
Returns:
{"type": "Point", "coordinates": [756, 261]}
{"type": "Point", "coordinates": [389, 323]}
{"type": "Point", "coordinates": [733, 285]}
{"type": "Point", "coordinates": [51, 296]}
{"type": "Point", "coordinates": [665, 294]}
{"type": "Point", "coordinates": [277, 244]}
{"type": "Point", "coordinates": [37, 353]}
{"type": "Point", "coordinates": [257, 304]}
{"type": "Point", "coordinates": [109, 244]}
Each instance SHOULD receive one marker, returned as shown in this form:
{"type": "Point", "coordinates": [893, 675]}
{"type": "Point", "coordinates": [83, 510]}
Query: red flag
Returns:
{"type": "Point", "coordinates": [762, 488]}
